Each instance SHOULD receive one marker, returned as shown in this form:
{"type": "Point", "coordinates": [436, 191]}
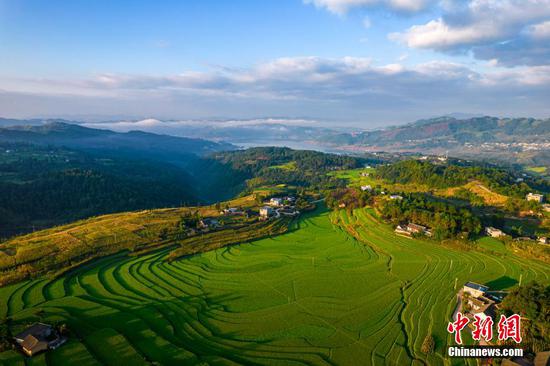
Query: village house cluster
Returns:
{"type": "Point", "coordinates": [411, 228]}
{"type": "Point", "coordinates": [498, 233]}
{"type": "Point", "coordinates": [277, 206]}
{"type": "Point", "coordinates": [521, 146]}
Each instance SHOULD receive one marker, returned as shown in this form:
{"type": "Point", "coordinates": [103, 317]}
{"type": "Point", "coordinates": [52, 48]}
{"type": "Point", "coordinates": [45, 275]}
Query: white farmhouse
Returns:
{"type": "Point", "coordinates": [276, 201]}
{"type": "Point", "coordinates": [535, 197]}
{"type": "Point", "coordinates": [266, 211]}
{"type": "Point", "coordinates": [494, 232]}
{"type": "Point", "coordinates": [475, 289]}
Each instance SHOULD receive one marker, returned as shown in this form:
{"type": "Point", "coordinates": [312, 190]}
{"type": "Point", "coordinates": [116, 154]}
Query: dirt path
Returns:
{"type": "Point", "coordinates": [458, 308]}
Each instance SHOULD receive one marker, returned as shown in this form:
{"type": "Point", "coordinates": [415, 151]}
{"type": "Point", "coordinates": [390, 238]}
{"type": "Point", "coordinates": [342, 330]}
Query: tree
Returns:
{"type": "Point", "coordinates": [428, 346]}
{"type": "Point", "coordinates": [5, 335]}
{"type": "Point", "coordinates": [532, 303]}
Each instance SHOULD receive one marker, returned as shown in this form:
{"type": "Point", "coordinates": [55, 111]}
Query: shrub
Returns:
{"type": "Point", "coordinates": [428, 346]}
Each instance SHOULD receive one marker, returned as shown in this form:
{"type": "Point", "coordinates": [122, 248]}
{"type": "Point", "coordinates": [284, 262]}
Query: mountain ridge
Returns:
{"type": "Point", "coordinates": [77, 136]}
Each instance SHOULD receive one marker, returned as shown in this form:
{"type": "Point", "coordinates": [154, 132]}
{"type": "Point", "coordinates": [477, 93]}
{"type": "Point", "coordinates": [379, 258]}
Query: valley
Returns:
{"type": "Point", "coordinates": [275, 183]}
{"type": "Point", "coordinates": [338, 288]}
{"type": "Point", "coordinates": [316, 259]}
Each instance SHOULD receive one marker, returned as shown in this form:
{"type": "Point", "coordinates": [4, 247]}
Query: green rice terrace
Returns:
{"type": "Point", "coordinates": [339, 288]}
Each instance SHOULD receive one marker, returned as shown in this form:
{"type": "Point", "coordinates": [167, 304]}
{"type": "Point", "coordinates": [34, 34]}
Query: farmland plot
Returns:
{"type": "Point", "coordinates": [338, 289]}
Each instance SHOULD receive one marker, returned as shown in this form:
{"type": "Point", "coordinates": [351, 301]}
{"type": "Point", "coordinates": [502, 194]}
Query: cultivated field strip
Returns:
{"type": "Point", "coordinates": [427, 273]}
{"type": "Point", "coordinates": [338, 289]}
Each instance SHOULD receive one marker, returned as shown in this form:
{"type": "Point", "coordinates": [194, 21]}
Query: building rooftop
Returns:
{"type": "Point", "coordinates": [477, 286]}
{"type": "Point", "coordinates": [38, 330]}
{"type": "Point", "coordinates": [416, 226]}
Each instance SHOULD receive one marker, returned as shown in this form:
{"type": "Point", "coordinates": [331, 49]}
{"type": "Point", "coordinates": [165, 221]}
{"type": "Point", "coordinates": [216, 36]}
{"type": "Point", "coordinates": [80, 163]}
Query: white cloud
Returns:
{"type": "Point", "coordinates": [526, 76]}
{"type": "Point", "coordinates": [174, 127]}
{"type": "Point", "coordinates": [540, 30]}
{"type": "Point", "coordinates": [341, 7]}
{"type": "Point", "coordinates": [283, 76]}
{"type": "Point", "coordinates": [340, 88]}
{"type": "Point", "coordinates": [437, 34]}
{"type": "Point", "coordinates": [490, 29]}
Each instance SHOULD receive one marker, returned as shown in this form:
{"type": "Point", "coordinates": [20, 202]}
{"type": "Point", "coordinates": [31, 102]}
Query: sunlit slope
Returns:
{"type": "Point", "coordinates": [56, 249]}
{"type": "Point", "coordinates": [427, 273]}
{"type": "Point", "coordinates": [313, 296]}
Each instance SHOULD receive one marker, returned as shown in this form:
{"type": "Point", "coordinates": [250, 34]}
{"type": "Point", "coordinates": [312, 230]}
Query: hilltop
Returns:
{"type": "Point", "coordinates": [428, 132]}
{"type": "Point", "coordinates": [56, 172]}
{"type": "Point", "coordinates": [133, 143]}
{"type": "Point", "coordinates": [511, 140]}
{"type": "Point", "coordinates": [180, 277]}
{"type": "Point", "coordinates": [187, 230]}
{"type": "Point", "coordinates": [44, 185]}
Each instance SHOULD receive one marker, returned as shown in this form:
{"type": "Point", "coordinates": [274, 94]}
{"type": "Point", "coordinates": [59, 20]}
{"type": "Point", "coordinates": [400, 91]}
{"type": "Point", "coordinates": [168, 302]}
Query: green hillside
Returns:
{"type": "Point", "coordinates": [314, 296]}
{"type": "Point", "coordinates": [507, 140]}
{"type": "Point", "coordinates": [53, 172]}
{"type": "Point", "coordinates": [60, 248]}
{"type": "Point", "coordinates": [43, 186]}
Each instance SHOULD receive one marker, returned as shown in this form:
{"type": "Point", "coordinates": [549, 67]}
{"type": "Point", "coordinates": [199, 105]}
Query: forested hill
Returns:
{"type": "Point", "coordinates": [56, 172]}
{"type": "Point", "coordinates": [472, 130]}
{"type": "Point", "coordinates": [238, 171]}
{"type": "Point", "coordinates": [41, 186]}
{"type": "Point", "coordinates": [524, 141]}
{"type": "Point", "coordinates": [451, 130]}
{"type": "Point", "coordinates": [504, 181]}
{"type": "Point", "coordinates": [134, 143]}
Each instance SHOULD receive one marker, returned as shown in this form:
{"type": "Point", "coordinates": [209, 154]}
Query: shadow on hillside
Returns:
{"type": "Point", "coordinates": [502, 283]}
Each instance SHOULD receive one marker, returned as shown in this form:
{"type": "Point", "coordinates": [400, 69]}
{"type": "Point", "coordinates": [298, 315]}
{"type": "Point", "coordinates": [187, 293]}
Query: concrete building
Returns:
{"type": "Point", "coordinates": [266, 211]}
{"type": "Point", "coordinates": [276, 201]}
{"type": "Point", "coordinates": [494, 232]}
{"type": "Point", "coordinates": [475, 289]}
{"type": "Point", "coordinates": [535, 197]}
{"type": "Point", "coordinates": [412, 229]}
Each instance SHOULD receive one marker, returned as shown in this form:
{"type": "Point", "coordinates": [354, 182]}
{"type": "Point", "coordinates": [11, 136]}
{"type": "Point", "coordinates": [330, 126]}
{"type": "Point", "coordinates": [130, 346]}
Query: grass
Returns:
{"type": "Point", "coordinates": [489, 197]}
{"type": "Point", "coordinates": [290, 166]}
{"type": "Point", "coordinates": [492, 244]}
{"type": "Point", "coordinates": [537, 169]}
{"type": "Point", "coordinates": [70, 245]}
{"type": "Point", "coordinates": [338, 288]}
{"type": "Point", "coordinates": [354, 178]}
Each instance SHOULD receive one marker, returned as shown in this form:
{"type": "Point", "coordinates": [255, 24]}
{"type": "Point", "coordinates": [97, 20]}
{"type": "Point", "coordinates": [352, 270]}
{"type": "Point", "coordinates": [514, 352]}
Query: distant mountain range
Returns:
{"type": "Point", "coordinates": [55, 172]}
{"type": "Point", "coordinates": [88, 171]}
{"type": "Point", "coordinates": [133, 144]}
{"type": "Point", "coordinates": [511, 140]}
{"type": "Point", "coordinates": [448, 130]}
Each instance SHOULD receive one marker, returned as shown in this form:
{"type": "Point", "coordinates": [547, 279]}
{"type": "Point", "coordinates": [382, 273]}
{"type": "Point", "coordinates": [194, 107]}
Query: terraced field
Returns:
{"type": "Point", "coordinates": [316, 295]}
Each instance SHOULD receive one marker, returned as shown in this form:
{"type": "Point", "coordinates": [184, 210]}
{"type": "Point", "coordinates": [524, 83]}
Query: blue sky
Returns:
{"type": "Point", "coordinates": [360, 62]}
